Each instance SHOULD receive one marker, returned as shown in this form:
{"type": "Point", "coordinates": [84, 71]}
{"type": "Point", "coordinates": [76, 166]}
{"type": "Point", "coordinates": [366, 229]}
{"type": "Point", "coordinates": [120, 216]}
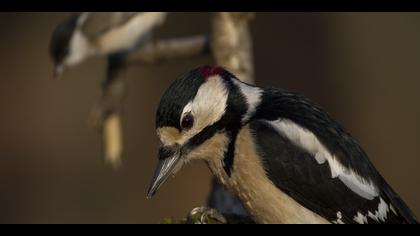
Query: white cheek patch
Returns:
{"type": "Point", "coordinates": [309, 142]}
{"type": "Point", "coordinates": [208, 106]}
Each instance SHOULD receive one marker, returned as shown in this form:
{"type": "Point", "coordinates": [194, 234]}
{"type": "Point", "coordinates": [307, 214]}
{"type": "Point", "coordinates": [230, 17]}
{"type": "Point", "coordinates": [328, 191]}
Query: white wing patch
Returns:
{"type": "Point", "coordinates": [308, 141]}
{"type": "Point", "coordinates": [126, 36]}
{"type": "Point", "coordinates": [382, 211]}
{"type": "Point", "coordinates": [360, 218]}
{"type": "Point", "coordinates": [393, 209]}
{"type": "Point", "coordinates": [379, 215]}
{"type": "Point", "coordinates": [80, 49]}
{"type": "Point", "coordinates": [339, 217]}
{"type": "Point", "coordinates": [252, 96]}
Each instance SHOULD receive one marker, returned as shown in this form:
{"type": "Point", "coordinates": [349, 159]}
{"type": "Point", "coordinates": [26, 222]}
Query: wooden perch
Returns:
{"type": "Point", "coordinates": [231, 43]}
{"type": "Point", "coordinates": [168, 49]}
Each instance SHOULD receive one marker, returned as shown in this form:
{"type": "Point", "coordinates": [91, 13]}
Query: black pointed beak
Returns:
{"type": "Point", "coordinates": [168, 160]}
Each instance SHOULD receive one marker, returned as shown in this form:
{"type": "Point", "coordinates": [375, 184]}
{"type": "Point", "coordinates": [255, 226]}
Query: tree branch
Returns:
{"type": "Point", "coordinates": [231, 43]}
{"type": "Point", "coordinates": [169, 49]}
{"type": "Point", "coordinates": [106, 114]}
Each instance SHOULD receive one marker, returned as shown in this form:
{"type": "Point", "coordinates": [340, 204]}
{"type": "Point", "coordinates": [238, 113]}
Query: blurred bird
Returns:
{"type": "Point", "coordinates": [88, 34]}
{"type": "Point", "coordinates": [113, 35]}
{"type": "Point", "coordinates": [284, 157]}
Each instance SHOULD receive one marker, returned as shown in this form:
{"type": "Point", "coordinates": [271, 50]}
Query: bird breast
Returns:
{"type": "Point", "coordinates": [249, 182]}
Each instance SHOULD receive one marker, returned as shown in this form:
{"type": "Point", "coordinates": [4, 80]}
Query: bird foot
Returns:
{"type": "Point", "coordinates": [205, 215]}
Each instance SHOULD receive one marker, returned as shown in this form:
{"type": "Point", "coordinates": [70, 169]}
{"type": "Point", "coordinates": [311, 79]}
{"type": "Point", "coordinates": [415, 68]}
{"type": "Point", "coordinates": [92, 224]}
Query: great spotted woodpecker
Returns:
{"type": "Point", "coordinates": [284, 157]}
{"type": "Point", "coordinates": [87, 34]}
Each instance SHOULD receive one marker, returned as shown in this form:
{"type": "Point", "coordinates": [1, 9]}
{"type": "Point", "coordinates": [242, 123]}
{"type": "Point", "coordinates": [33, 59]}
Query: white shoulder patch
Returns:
{"type": "Point", "coordinates": [252, 96]}
{"type": "Point", "coordinates": [309, 142]}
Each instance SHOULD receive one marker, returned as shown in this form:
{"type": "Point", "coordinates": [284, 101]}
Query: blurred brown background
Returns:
{"type": "Point", "coordinates": [364, 68]}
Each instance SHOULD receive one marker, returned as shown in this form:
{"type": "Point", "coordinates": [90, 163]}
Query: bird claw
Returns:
{"type": "Point", "coordinates": [205, 215]}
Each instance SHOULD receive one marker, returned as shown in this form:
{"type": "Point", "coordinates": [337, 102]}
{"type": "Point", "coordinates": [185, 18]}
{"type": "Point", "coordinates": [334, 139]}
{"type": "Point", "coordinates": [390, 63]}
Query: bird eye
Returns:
{"type": "Point", "coordinates": [187, 121]}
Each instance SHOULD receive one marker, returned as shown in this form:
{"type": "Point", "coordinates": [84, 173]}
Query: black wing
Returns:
{"type": "Point", "coordinates": [297, 173]}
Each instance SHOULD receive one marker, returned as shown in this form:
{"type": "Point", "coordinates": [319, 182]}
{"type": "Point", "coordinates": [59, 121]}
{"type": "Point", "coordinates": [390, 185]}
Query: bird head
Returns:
{"type": "Point", "coordinates": [196, 118]}
{"type": "Point", "coordinates": [68, 46]}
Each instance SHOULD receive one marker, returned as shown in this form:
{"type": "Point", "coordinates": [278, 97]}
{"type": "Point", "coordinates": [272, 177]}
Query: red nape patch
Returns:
{"type": "Point", "coordinates": [208, 71]}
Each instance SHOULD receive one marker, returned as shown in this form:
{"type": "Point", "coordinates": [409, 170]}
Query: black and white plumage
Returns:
{"type": "Point", "coordinates": [87, 34]}
{"type": "Point", "coordinates": [284, 157]}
